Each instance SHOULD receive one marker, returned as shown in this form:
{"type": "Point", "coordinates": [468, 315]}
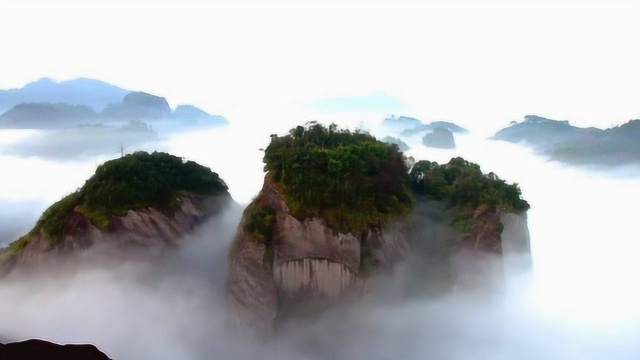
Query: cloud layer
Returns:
{"type": "Point", "coordinates": [579, 301]}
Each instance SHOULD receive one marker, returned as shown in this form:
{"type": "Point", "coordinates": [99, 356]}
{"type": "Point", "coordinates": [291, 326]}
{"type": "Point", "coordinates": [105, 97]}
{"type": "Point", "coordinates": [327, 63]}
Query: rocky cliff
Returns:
{"type": "Point", "coordinates": [141, 200]}
{"type": "Point", "coordinates": [298, 253]}
{"type": "Point", "coordinates": [304, 267]}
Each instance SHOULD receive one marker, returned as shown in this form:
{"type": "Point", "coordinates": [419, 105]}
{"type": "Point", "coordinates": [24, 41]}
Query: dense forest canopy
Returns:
{"type": "Point", "coordinates": [354, 181]}
{"type": "Point", "coordinates": [461, 183]}
{"type": "Point", "coordinates": [349, 178]}
{"type": "Point", "coordinates": [133, 181]}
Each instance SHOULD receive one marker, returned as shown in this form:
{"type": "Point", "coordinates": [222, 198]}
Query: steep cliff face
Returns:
{"type": "Point", "coordinates": [304, 267]}
{"type": "Point", "coordinates": [148, 228]}
{"type": "Point", "coordinates": [516, 242]}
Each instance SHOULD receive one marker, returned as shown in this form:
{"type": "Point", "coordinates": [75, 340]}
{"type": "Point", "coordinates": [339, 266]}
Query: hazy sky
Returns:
{"type": "Point", "coordinates": [479, 65]}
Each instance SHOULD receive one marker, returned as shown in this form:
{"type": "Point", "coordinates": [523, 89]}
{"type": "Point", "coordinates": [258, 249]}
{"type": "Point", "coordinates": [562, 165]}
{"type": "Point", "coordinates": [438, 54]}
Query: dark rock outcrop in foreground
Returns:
{"type": "Point", "coordinates": [43, 350]}
{"type": "Point", "coordinates": [310, 241]}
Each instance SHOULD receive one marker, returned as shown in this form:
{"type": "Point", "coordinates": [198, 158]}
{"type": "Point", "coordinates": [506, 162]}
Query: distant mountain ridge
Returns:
{"type": "Point", "coordinates": [561, 141]}
{"type": "Point", "coordinates": [46, 104]}
{"type": "Point", "coordinates": [95, 94]}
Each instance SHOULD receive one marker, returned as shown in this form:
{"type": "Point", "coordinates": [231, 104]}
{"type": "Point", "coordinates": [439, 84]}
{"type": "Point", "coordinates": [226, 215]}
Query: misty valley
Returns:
{"type": "Point", "coordinates": [131, 230]}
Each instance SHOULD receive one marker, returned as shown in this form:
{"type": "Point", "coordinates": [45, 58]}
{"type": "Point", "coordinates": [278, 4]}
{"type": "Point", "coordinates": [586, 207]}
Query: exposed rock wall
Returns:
{"type": "Point", "coordinates": [143, 227]}
{"type": "Point", "coordinates": [516, 242]}
{"type": "Point", "coordinates": [317, 277]}
{"type": "Point", "coordinates": [253, 301]}
{"type": "Point", "coordinates": [386, 246]}
{"type": "Point", "coordinates": [311, 238]}
{"type": "Point", "coordinates": [305, 266]}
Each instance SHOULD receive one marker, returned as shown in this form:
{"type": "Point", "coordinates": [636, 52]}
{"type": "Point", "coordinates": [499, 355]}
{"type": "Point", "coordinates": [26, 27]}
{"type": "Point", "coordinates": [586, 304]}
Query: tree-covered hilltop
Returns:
{"type": "Point", "coordinates": [133, 181]}
{"type": "Point", "coordinates": [462, 183]}
{"type": "Point", "coordinates": [472, 201]}
{"type": "Point", "coordinates": [354, 181]}
{"type": "Point", "coordinates": [350, 179]}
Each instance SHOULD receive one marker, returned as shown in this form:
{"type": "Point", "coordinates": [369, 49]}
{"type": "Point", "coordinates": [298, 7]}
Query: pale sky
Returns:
{"type": "Point", "coordinates": [478, 65]}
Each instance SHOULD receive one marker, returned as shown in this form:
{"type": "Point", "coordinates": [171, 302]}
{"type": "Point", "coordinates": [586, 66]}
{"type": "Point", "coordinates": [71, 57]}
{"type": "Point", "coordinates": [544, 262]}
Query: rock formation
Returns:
{"type": "Point", "coordinates": [439, 137]}
{"type": "Point", "coordinates": [293, 258]}
{"type": "Point", "coordinates": [139, 106]}
{"type": "Point", "coordinates": [306, 266]}
{"type": "Point", "coordinates": [140, 201]}
{"type": "Point", "coordinates": [145, 228]}
{"type": "Point", "coordinates": [43, 350]}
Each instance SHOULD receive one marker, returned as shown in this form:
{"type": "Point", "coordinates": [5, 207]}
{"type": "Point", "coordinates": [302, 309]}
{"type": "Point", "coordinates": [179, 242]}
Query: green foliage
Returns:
{"type": "Point", "coordinates": [15, 247]}
{"type": "Point", "coordinates": [259, 225]}
{"type": "Point", "coordinates": [349, 178]}
{"type": "Point", "coordinates": [53, 219]}
{"type": "Point", "coordinates": [134, 181]}
{"type": "Point", "coordinates": [19, 245]}
{"type": "Point", "coordinates": [462, 184]}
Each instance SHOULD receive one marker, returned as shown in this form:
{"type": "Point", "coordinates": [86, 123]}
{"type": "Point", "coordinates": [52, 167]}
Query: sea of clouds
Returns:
{"type": "Point", "coordinates": [580, 299]}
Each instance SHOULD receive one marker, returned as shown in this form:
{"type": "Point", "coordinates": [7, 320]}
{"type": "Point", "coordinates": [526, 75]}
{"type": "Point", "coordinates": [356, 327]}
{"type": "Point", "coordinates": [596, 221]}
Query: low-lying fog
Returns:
{"type": "Point", "coordinates": [580, 302]}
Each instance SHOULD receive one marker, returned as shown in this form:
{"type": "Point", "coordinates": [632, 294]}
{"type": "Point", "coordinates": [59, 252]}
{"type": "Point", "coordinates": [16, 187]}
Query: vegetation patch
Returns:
{"type": "Point", "coordinates": [468, 193]}
{"type": "Point", "coordinates": [259, 224]}
{"type": "Point", "coordinates": [15, 247]}
{"type": "Point", "coordinates": [259, 227]}
{"type": "Point", "coordinates": [461, 183]}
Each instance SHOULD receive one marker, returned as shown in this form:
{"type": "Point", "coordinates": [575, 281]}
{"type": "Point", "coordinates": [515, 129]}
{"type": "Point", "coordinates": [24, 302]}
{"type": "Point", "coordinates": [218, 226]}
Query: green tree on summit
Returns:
{"type": "Point", "coordinates": [349, 178]}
